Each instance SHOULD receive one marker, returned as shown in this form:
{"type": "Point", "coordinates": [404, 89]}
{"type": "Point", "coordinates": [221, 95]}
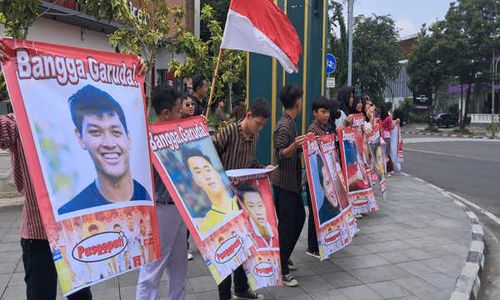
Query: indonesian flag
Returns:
{"type": "Point", "coordinates": [260, 26]}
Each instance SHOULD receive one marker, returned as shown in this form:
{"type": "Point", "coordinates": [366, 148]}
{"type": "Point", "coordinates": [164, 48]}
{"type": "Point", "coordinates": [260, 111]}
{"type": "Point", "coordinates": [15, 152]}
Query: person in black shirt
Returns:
{"type": "Point", "coordinates": [101, 129]}
{"type": "Point", "coordinates": [200, 88]}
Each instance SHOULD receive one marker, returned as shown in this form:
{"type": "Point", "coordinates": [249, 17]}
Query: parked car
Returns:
{"type": "Point", "coordinates": [445, 120]}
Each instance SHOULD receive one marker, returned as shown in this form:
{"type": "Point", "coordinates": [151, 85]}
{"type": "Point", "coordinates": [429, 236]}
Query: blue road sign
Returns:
{"type": "Point", "coordinates": [331, 63]}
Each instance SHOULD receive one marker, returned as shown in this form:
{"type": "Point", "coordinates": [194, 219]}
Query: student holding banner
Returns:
{"type": "Point", "coordinates": [287, 179]}
{"type": "Point", "coordinates": [236, 145]}
{"type": "Point", "coordinates": [321, 112]}
{"type": "Point", "coordinates": [40, 272]}
{"type": "Point", "coordinates": [172, 230]}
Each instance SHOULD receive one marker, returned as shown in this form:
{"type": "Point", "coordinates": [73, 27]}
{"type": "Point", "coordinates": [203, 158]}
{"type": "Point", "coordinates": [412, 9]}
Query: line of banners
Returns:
{"type": "Point", "coordinates": [84, 130]}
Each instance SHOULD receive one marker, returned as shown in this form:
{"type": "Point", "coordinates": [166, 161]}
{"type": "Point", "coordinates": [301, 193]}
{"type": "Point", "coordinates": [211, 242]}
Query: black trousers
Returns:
{"type": "Point", "coordinates": [312, 238]}
{"type": "Point", "coordinates": [40, 273]}
{"type": "Point", "coordinates": [291, 218]}
{"type": "Point", "coordinates": [240, 284]}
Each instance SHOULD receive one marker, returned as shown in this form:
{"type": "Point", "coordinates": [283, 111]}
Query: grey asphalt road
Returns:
{"type": "Point", "coordinates": [470, 169]}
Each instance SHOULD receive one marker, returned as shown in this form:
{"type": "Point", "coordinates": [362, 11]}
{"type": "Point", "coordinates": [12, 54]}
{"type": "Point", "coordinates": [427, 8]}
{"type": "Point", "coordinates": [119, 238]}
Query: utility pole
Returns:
{"type": "Point", "coordinates": [494, 67]}
{"type": "Point", "coordinates": [350, 29]}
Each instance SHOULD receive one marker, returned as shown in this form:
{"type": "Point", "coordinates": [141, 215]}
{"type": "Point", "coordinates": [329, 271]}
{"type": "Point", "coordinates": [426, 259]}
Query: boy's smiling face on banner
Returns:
{"type": "Point", "coordinates": [107, 142]}
{"type": "Point", "coordinates": [205, 176]}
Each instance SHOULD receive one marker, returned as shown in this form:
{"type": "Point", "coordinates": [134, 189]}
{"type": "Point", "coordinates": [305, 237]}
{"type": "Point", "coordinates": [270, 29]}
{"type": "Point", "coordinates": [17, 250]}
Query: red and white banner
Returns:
{"type": "Point", "coordinates": [333, 218]}
{"type": "Point", "coordinates": [259, 26]}
{"type": "Point", "coordinates": [358, 181]}
{"type": "Point", "coordinates": [377, 158]}
{"type": "Point", "coordinates": [82, 122]}
{"type": "Point", "coordinates": [185, 157]}
{"type": "Point", "coordinates": [255, 194]}
{"type": "Point", "coordinates": [396, 148]}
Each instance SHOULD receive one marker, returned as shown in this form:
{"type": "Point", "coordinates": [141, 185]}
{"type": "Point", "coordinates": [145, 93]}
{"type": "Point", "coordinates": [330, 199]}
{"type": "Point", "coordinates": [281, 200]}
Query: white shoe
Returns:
{"type": "Point", "coordinates": [190, 256]}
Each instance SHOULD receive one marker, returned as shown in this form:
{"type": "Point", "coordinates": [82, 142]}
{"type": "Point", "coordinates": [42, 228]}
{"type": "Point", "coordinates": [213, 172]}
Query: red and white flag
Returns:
{"type": "Point", "coordinates": [260, 26]}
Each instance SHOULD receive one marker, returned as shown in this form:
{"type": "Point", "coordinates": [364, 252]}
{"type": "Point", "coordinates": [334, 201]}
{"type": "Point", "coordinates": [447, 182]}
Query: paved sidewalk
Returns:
{"type": "Point", "coordinates": [413, 248]}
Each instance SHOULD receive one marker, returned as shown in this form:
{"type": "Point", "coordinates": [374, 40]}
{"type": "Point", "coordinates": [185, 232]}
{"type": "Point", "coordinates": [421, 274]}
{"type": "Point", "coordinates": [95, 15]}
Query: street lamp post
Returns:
{"type": "Point", "coordinates": [494, 69]}
{"type": "Point", "coordinates": [350, 29]}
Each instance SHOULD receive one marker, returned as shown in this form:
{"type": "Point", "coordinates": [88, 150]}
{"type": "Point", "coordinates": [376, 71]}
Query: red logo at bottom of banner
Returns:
{"type": "Point", "coordinates": [228, 249]}
{"type": "Point", "coordinates": [264, 269]}
{"type": "Point", "coordinates": [100, 247]}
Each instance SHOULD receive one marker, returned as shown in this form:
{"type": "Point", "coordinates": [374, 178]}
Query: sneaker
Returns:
{"type": "Point", "coordinates": [290, 281]}
{"type": "Point", "coordinates": [190, 256]}
{"type": "Point", "coordinates": [314, 254]}
{"type": "Point", "coordinates": [291, 266]}
{"type": "Point", "coordinates": [248, 295]}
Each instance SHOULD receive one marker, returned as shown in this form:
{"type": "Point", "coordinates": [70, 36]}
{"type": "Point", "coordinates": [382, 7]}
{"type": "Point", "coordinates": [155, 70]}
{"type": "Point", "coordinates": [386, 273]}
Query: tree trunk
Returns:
{"type": "Point", "coordinates": [465, 106]}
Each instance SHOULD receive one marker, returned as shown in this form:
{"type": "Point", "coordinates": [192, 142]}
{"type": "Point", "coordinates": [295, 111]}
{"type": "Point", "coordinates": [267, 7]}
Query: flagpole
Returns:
{"type": "Point", "coordinates": [214, 78]}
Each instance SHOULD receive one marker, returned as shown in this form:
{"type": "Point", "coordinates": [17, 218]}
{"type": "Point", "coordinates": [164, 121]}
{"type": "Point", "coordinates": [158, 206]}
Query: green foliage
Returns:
{"type": "Point", "coordinates": [201, 56]}
{"type": "Point", "coordinates": [337, 45]}
{"type": "Point", "coordinates": [493, 128]}
{"type": "Point", "coordinates": [376, 54]}
{"type": "Point", "coordinates": [462, 131]}
{"type": "Point", "coordinates": [17, 16]}
{"type": "Point", "coordinates": [219, 12]}
{"type": "Point", "coordinates": [424, 69]}
{"type": "Point", "coordinates": [405, 109]}
{"type": "Point", "coordinates": [459, 47]}
{"type": "Point", "coordinates": [431, 128]}
{"type": "Point", "coordinates": [144, 31]}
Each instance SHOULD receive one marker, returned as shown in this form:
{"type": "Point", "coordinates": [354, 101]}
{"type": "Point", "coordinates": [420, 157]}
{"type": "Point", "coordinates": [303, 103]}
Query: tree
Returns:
{"type": "Point", "coordinates": [465, 43]}
{"type": "Point", "coordinates": [219, 12]}
{"type": "Point", "coordinates": [18, 16]}
{"type": "Point", "coordinates": [143, 32]}
{"type": "Point", "coordinates": [376, 54]}
{"type": "Point", "coordinates": [424, 67]}
{"type": "Point", "coordinates": [201, 56]}
{"type": "Point", "coordinates": [337, 45]}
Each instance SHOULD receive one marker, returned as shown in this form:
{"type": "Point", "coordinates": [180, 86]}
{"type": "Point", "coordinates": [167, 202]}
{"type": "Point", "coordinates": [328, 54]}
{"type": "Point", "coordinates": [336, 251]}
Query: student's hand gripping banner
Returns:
{"type": "Point", "coordinates": [377, 158]}
{"type": "Point", "coordinates": [254, 192]}
{"type": "Point", "coordinates": [186, 160]}
{"type": "Point", "coordinates": [82, 122]}
{"type": "Point", "coordinates": [359, 188]}
{"type": "Point", "coordinates": [334, 222]}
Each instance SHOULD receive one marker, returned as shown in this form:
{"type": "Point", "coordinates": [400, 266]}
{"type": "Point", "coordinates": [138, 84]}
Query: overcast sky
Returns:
{"type": "Point", "coordinates": [409, 14]}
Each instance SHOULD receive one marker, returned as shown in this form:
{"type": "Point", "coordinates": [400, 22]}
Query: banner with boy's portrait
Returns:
{"type": "Point", "coordinates": [82, 122]}
{"type": "Point", "coordinates": [256, 197]}
{"type": "Point", "coordinates": [358, 182]}
{"type": "Point", "coordinates": [334, 222]}
{"type": "Point", "coordinates": [377, 158]}
{"type": "Point", "coordinates": [187, 161]}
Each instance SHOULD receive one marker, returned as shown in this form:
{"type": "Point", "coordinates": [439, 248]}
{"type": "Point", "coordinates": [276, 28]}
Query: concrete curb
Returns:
{"type": "Point", "coordinates": [469, 281]}
{"type": "Point", "coordinates": [450, 135]}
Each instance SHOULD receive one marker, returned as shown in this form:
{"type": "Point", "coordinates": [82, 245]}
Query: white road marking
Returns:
{"type": "Point", "coordinates": [451, 155]}
{"type": "Point", "coordinates": [479, 208]}
{"type": "Point", "coordinates": [445, 139]}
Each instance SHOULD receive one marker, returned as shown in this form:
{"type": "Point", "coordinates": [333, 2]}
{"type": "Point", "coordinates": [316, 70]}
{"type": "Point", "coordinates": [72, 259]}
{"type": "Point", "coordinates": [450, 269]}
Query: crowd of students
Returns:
{"type": "Point", "coordinates": [236, 145]}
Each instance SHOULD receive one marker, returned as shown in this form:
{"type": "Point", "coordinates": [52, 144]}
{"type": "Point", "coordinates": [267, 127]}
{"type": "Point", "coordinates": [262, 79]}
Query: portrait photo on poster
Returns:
{"type": "Point", "coordinates": [201, 184]}
{"type": "Point", "coordinates": [324, 190]}
{"type": "Point", "coordinates": [357, 178]}
{"type": "Point", "coordinates": [93, 152]}
{"type": "Point", "coordinates": [256, 198]}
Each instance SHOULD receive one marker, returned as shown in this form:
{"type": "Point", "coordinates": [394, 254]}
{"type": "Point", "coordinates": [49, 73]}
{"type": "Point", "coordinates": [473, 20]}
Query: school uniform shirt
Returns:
{"type": "Point", "coordinates": [288, 175]}
{"type": "Point", "coordinates": [31, 224]}
{"type": "Point", "coordinates": [236, 150]}
{"type": "Point", "coordinates": [317, 128]}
